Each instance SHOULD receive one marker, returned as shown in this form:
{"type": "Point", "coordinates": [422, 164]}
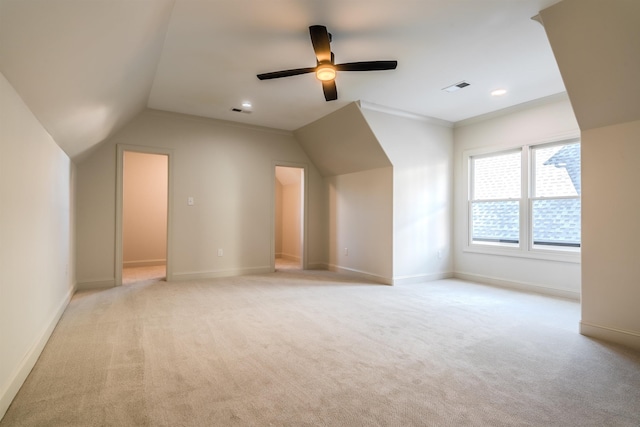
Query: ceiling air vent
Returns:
{"type": "Point", "coordinates": [456, 87]}
{"type": "Point", "coordinates": [239, 110]}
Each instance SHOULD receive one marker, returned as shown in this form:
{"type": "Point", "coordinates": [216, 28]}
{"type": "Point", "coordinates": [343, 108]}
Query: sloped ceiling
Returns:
{"type": "Point", "coordinates": [601, 67]}
{"type": "Point", "coordinates": [84, 68]}
{"type": "Point", "coordinates": [342, 142]}
{"type": "Point", "coordinates": [87, 67]}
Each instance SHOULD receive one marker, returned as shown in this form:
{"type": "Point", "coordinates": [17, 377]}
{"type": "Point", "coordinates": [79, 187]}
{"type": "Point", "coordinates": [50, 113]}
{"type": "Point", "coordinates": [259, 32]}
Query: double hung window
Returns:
{"type": "Point", "coordinates": [525, 201]}
{"type": "Point", "coordinates": [555, 196]}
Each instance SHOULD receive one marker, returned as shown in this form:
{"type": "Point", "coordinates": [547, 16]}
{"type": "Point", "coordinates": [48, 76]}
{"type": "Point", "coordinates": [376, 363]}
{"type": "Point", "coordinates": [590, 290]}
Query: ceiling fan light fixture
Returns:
{"type": "Point", "coordinates": [326, 69]}
{"type": "Point", "coordinates": [326, 72]}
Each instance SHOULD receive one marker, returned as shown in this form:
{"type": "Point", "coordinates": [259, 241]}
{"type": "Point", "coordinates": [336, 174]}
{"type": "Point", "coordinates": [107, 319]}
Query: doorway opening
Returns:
{"type": "Point", "coordinates": [143, 219]}
{"type": "Point", "coordinates": [289, 218]}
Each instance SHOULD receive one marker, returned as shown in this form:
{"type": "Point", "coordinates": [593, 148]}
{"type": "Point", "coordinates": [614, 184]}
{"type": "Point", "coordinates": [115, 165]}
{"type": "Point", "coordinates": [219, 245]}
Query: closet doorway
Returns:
{"type": "Point", "coordinates": [143, 217]}
{"type": "Point", "coordinates": [289, 227]}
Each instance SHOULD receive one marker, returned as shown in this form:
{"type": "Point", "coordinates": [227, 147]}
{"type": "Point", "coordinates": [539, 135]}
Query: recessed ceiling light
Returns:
{"type": "Point", "coordinates": [246, 104]}
{"type": "Point", "coordinates": [498, 92]}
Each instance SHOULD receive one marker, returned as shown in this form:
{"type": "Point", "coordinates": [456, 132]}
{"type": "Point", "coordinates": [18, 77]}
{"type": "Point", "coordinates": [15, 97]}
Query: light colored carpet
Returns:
{"type": "Point", "coordinates": [316, 349]}
{"type": "Point", "coordinates": [283, 264]}
{"type": "Point", "coordinates": [133, 275]}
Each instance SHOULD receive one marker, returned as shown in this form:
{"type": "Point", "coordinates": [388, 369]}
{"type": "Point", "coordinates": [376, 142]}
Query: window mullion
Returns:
{"type": "Point", "coordinates": [524, 201]}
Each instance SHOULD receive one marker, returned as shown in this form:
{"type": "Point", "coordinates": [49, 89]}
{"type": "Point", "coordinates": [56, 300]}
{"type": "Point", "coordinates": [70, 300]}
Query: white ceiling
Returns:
{"type": "Point", "coordinates": [85, 68]}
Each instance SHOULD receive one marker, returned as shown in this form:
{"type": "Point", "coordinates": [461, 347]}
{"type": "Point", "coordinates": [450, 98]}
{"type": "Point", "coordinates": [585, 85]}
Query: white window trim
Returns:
{"type": "Point", "coordinates": [526, 248]}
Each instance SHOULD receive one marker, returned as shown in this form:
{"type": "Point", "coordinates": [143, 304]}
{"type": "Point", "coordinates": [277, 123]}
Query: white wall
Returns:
{"type": "Point", "coordinates": [36, 254]}
{"type": "Point", "coordinates": [421, 152]}
{"type": "Point", "coordinates": [227, 168]}
{"type": "Point", "coordinates": [361, 220]}
{"type": "Point", "coordinates": [540, 121]}
{"type": "Point", "coordinates": [144, 209]}
{"type": "Point", "coordinates": [610, 212]}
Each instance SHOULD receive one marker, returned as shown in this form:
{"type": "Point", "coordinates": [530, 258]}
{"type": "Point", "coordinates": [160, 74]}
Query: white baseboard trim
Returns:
{"type": "Point", "coordinates": [144, 263]}
{"type": "Point", "coordinates": [520, 286]}
{"type": "Point", "coordinates": [96, 284]}
{"type": "Point", "coordinates": [197, 275]}
{"type": "Point", "coordinates": [289, 257]}
{"type": "Point", "coordinates": [19, 376]}
{"type": "Point", "coordinates": [361, 274]}
{"type": "Point", "coordinates": [618, 336]}
{"type": "Point", "coordinates": [420, 278]}
{"type": "Point", "coordinates": [317, 266]}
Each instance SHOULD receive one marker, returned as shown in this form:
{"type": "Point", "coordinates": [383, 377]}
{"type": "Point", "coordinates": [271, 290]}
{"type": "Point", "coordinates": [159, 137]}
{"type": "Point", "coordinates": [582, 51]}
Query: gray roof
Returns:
{"type": "Point", "coordinates": [555, 221]}
{"type": "Point", "coordinates": [568, 158]}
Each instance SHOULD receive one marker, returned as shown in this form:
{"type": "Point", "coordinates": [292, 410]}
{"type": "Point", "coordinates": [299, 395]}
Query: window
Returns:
{"type": "Point", "coordinates": [495, 200]}
{"type": "Point", "coordinates": [555, 196]}
{"type": "Point", "coordinates": [525, 202]}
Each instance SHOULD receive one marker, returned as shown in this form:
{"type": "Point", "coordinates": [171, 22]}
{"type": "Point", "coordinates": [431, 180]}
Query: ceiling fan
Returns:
{"type": "Point", "coordinates": [326, 68]}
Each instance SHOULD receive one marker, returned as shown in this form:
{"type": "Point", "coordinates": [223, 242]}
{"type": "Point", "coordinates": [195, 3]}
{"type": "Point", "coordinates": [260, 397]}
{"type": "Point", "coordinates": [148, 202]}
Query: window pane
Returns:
{"type": "Point", "coordinates": [557, 170]}
{"type": "Point", "coordinates": [497, 177]}
{"type": "Point", "coordinates": [556, 222]}
{"type": "Point", "coordinates": [496, 221]}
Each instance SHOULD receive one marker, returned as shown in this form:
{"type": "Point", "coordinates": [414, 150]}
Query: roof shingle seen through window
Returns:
{"type": "Point", "coordinates": [555, 221]}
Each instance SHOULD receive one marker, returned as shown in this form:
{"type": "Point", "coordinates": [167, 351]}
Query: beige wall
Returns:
{"type": "Point", "coordinates": [394, 221]}
{"type": "Point", "coordinates": [361, 221]}
{"type": "Point", "coordinates": [228, 169]}
{"type": "Point", "coordinates": [611, 232]}
{"type": "Point", "coordinates": [291, 221]}
{"type": "Point", "coordinates": [291, 215]}
{"type": "Point", "coordinates": [539, 122]}
{"type": "Point", "coordinates": [360, 184]}
{"type": "Point", "coordinates": [421, 152]}
{"type": "Point", "coordinates": [342, 143]}
{"type": "Point", "coordinates": [36, 234]}
{"type": "Point", "coordinates": [144, 209]}
{"type": "Point", "coordinates": [596, 45]}
{"type": "Point", "coordinates": [278, 224]}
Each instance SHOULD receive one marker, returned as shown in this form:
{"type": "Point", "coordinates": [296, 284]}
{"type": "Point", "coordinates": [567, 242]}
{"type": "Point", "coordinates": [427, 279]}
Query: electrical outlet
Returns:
{"type": "Point", "coordinates": [190, 201]}
{"type": "Point", "coordinates": [346, 251]}
{"type": "Point", "coordinates": [220, 252]}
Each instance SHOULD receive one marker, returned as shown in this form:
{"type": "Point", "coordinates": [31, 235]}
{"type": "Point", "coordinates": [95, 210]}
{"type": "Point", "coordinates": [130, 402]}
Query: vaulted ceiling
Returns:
{"type": "Point", "coordinates": [86, 68]}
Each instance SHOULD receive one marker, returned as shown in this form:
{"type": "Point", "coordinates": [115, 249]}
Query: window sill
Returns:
{"type": "Point", "coordinates": [541, 254]}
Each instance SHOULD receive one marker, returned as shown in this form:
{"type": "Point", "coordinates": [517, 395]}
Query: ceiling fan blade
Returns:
{"type": "Point", "coordinates": [367, 66]}
{"type": "Point", "coordinates": [321, 42]}
{"type": "Point", "coordinates": [286, 73]}
{"type": "Point", "coordinates": [330, 90]}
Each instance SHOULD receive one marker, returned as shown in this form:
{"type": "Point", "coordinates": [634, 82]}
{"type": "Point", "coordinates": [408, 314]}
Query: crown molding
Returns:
{"type": "Point", "coordinates": [401, 113]}
{"type": "Point", "coordinates": [562, 96]}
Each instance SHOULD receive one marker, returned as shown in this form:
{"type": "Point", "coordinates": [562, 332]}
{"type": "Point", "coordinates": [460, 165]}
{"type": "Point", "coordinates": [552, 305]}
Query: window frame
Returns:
{"type": "Point", "coordinates": [525, 248]}
{"type": "Point", "coordinates": [471, 200]}
{"type": "Point", "coordinates": [532, 198]}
